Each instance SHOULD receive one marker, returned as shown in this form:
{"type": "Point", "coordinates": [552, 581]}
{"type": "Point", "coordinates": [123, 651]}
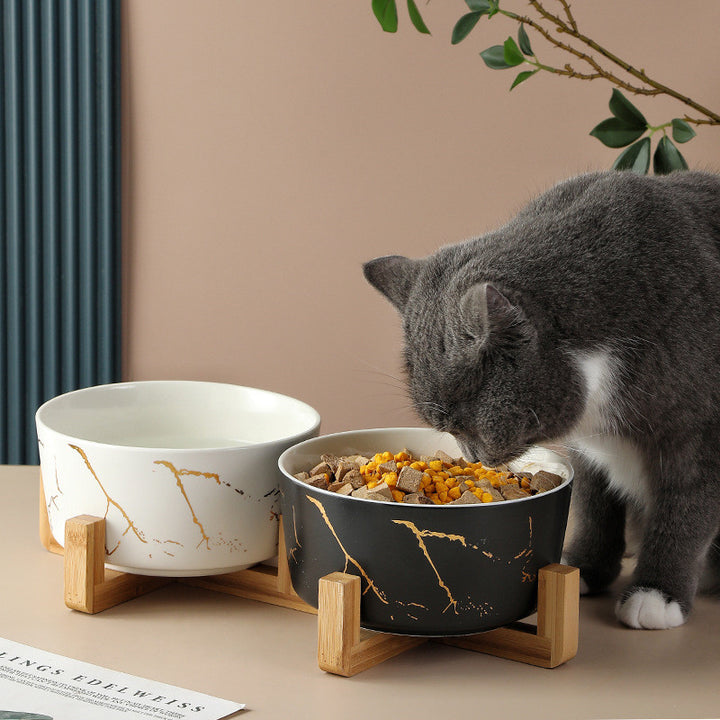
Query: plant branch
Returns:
{"type": "Point", "coordinates": [569, 14]}
{"type": "Point", "coordinates": [600, 72]}
{"type": "Point", "coordinates": [570, 28]}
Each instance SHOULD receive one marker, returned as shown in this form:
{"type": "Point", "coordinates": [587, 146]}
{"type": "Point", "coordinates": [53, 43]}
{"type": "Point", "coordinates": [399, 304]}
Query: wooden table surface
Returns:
{"type": "Point", "coordinates": [266, 656]}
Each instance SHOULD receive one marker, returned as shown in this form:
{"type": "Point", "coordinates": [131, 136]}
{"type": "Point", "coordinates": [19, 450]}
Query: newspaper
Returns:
{"type": "Point", "coordinates": [38, 685]}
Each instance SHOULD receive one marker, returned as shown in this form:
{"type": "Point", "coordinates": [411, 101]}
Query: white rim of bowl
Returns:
{"type": "Point", "coordinates": [222, 448]}
{"type": "Point", "coordinates": [320, 438]}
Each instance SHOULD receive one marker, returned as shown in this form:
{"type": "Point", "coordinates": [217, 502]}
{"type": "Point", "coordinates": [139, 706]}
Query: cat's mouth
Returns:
{"type": "Point", "coordinates": [490, 457]}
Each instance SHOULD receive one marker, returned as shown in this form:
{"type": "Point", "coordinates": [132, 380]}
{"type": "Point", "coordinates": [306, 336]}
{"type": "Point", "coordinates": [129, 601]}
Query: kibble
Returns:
{"type": "Point", "coordinates": [438, 479]}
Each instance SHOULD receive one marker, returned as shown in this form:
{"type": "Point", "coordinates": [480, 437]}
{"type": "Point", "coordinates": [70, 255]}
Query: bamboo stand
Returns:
{"type": "Point", "coordinates": [343, 647]}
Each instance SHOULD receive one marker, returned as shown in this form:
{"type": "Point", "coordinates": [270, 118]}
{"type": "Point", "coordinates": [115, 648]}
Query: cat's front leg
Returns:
{"type": "Point", "coordinates": [598, 538]}
{"type": "Point", "coordinates": [679, 529]}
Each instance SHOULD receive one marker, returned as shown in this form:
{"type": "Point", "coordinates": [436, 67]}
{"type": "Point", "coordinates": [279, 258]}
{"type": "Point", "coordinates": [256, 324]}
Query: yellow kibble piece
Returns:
{"type": "Point", "coordinates": [435, 465]}
{"type": "Point", "coordinates": [443, 495]}
{"type": "Point", "coordinates": [454, 493]}
{"type": "Point", "coordinates": [397, 495]}
{"type": "Point", "coordinates": [525, 483]}
{"type": "Point", "coordinates": [372, 484]}
{"type": "Point", "coordinates": [456, 470]}
{"type": "Point", "coordinates": [418, 465]}
{"type": "Point", "coordinates": [390, 478]}
{"type": "Point", "coordinates": [451, 482]}
{"type": "Point", "coordinates": [387, 456]}
{"type": "Point", "coordinates": [435, 499]}
{"type": "Point", "coordinates": [426, 480]}
{"type": "Point", "coordinates": [486, 497]}
{"type": "Point", "coordinates": [440, 486]}
{"type": "Point", "coordinates": [402, 456]}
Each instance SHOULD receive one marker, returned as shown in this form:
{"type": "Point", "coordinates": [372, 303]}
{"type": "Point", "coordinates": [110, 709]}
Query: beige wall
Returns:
{"type": "Point", "coordinates": [271, 147]}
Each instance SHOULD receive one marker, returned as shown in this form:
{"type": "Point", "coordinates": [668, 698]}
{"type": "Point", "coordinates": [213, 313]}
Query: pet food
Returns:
{"type": "Point", "coordinates": [438, 479]}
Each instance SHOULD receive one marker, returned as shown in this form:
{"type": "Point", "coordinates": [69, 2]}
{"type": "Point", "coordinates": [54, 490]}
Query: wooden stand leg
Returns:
{"type": "Point", "coordinates": [343, 649]}
{"type": "Point", "coordinates": [88, 586]}
{"type": "Point", "coordinates": [556, 639]}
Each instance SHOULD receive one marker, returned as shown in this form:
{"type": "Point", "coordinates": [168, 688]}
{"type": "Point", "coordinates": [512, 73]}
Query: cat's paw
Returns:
{"type": "Point", "coordinates": [648, 609]}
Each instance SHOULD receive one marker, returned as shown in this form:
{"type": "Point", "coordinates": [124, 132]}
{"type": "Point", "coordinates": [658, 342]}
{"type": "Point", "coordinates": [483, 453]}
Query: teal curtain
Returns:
{"type": "Point", "coordinates": [59, 207]}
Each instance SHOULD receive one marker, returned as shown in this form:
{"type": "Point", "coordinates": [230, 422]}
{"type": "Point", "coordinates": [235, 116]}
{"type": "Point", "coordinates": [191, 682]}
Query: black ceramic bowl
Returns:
{"type": "Point", "coordinates": [424, 569]}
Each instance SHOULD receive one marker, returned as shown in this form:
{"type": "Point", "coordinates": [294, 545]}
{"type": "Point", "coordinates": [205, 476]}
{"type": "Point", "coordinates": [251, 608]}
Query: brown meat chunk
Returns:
{"type": "Point", "coordinates": [543, 481]}
{"type": "Point", "coordinates": [386, 467]}
{"type": "Point", "coordinates": [320, 468]}
{"type": "Point", "coordinates": [511, 491]}
{"type": "Point", "coordinates": [417, 499]}
{"type": "Point", "coordinates": [355, 478]}
{"type": "Point", "coordinates": [380, 492]}
{"type": "Point", "coordinates": [343, 467]}
{"type": "Point", "coordinates": [467, 498]}
{"type": "Point", "coordinates": [319, 481]}
{"type": "Point", "coordinates": [486, 486]}
{"type": "Point", "coordinates": [409, 479]}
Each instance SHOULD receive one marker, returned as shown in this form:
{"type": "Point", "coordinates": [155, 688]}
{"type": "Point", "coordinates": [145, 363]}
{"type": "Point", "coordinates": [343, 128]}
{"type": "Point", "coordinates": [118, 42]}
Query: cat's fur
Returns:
{"type": "Point", "coordinates": [591, 318]}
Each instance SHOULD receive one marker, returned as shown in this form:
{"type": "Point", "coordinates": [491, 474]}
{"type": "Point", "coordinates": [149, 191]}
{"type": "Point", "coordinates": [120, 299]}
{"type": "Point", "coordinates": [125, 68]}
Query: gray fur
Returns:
{"type": "Point", "coordinates": [612, 262]}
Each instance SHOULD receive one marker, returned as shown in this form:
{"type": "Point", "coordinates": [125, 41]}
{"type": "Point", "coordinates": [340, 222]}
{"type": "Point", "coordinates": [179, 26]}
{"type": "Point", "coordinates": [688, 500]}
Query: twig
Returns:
{"type": "Point", "coordinates": [600, 72]}
{"type": "Point", "coordinates": [571, 29]}
{"type": "Point", "coordinates": [569, 14]}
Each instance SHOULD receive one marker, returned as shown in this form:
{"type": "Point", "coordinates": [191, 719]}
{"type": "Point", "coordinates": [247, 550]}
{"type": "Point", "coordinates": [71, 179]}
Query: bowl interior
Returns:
{"type": "Point", "coordinates": [177, 414]}
{"type": "Point", "coordinates": [419, 441]}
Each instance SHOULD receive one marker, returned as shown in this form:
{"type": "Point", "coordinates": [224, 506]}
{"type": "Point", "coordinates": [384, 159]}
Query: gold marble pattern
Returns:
{"type": "Point", "coordinates": [167, 546]}
{"type": "Point", "coordinates": [413, 610]}
{"type": "Point", "coordinates": [178, 473]}
{"type": "Point", "coordinates": [130, 524]}
{"type": "Point", "coordinates": [348, 559]}
{"type": "Point", "coordinates": [419, 535]}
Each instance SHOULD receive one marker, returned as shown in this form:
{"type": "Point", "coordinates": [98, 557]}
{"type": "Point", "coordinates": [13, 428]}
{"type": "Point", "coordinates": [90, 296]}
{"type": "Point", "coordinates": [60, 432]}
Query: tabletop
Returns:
{"type": "Point", "coordinates": [266, 656]}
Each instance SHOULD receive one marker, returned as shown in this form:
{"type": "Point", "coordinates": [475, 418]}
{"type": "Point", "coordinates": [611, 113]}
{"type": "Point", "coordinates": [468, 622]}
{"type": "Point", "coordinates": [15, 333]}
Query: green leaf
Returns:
{"type": "Point", "coordinates": [512, 54]}
{"type": "Point", "coordinates": [482, 6]}
{"type": "Point", "coordinates": [386, 14]}
{"type": "Point", "coordinates": [615, 133]}
{"type": "Point", "coordinates": [635, 158]}
{"type": "Point", "coordinates": [524, 41]}
{"type": "Point", "coordinates": [494, 57]}
{"type": "Point", "coordinates": [464, 25]}
{"type": "Point", "coordinates": [624, 110]}
{"type": "Point", "coordinates": [681, 131]}
{"type": "Point", "coordinates": [523, 76]}
{"type": "Point", "coordinates": [667, 158]}
{"type": "Point", "coordinates": [416, 17]}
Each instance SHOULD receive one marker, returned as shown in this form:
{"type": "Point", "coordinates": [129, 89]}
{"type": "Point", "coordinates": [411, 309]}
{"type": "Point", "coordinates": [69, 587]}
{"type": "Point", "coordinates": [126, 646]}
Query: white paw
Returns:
{"type": "Point", "coordinates": [649, 610]}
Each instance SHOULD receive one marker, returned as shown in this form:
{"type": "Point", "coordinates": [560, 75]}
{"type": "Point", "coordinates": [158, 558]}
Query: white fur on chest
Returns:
{"type": "Point", "coordinates": [594, 436]}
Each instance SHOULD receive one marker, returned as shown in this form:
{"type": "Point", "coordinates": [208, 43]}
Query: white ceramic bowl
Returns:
{"type": "Point", "coordinates": [184, 473]}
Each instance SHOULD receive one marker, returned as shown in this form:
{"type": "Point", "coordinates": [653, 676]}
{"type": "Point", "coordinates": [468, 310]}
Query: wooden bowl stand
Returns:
{"type": "Point", "coordinates": [344, 648]}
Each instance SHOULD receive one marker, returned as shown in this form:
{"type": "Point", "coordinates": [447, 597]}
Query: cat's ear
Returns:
{"type": "Point", "coordinates": [393, 276]}
{"type": "Point", "coordinates": [488, 316]}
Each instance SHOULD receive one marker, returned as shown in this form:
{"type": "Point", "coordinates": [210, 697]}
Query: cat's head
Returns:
{"type": "Point", "coordinates": [477, 366]}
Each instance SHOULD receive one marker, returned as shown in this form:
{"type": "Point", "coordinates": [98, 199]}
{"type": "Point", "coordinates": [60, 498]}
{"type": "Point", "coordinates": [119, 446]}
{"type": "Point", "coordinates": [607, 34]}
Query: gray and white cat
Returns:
{"type": "Point", "coordinates": [591, 318]}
